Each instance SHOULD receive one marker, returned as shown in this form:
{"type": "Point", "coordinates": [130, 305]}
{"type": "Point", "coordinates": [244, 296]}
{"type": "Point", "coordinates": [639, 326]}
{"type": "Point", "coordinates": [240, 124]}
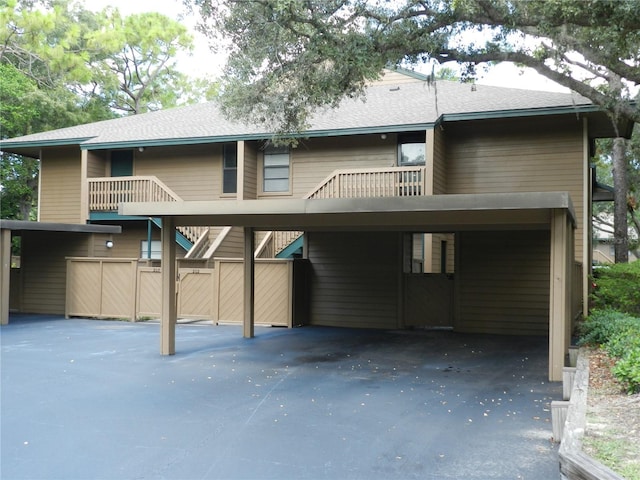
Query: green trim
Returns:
{"type": "Point", "coordinates": [292, 248]}
{"type": "Point", "coordinates": [378, 129]}
{"type": "Point", "coordinates": [258, 136]}
{"type": "Point", "coordinates": [45, 143]}
{"type": "Point", "coordinates": [102, 216]}
{"type": "Point", "coordinates": [111, 216]}
{"type": "Point", "coordinates": [180, 239]}
{"type": "Point", "coordinates": [527, 112]}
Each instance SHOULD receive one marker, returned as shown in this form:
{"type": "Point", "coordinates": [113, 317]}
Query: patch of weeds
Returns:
{"type": "Point", "coordinates": [612, 453]}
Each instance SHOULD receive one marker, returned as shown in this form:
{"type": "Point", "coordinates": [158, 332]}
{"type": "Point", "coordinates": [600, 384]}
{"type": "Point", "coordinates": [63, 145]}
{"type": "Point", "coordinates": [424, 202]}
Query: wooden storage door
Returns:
{"type": "Point", "coordinates": [428, 300]}
{"type": "Point", "coordinates": [195, 293]}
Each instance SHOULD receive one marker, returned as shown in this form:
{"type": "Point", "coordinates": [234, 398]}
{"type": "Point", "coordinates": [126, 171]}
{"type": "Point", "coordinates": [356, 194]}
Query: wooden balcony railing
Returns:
{"type": "Point", "coordinates": [106, 193]}
{"type": "Point", "coordinates": [372, 182]}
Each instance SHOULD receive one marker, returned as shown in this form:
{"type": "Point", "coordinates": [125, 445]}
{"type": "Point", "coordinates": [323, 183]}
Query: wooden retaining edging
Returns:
{"type": "Point", "coordinates": [574, 463]}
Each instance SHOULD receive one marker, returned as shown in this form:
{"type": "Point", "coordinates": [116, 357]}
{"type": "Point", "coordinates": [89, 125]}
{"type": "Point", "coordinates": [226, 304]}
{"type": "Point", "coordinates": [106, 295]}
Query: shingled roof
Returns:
{"type": "Point", "coordinates": [386, 108]}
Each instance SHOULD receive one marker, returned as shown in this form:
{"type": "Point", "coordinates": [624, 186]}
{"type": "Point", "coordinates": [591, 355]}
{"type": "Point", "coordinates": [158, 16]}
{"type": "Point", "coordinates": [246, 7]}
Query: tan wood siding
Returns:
{"type": "Point", "coordinates": [97, 164]}
{"type": "Point", "coordinates": [43, 269]}
{"type": "Point", "coordinates": [233, 244]}
{"type": "Point", "coordinates": [250, 170]}
{"type": "Point", "coordinates": [436, 252]}
{"type": "Point", "coordinates": [503, 282]}
{"type": "Point", "coordinates": [354, 279]}
{"type": "Point", "coordinates": [439, 165]}
{"type": "Point", "coordinates": [128, 243]}
{"type": "Point", "coordinates": [60, 186]}
{"type": "Point", "coordinates": [528, 155]}
{"type": "Point", "coordinates": [194, 173]}
{"type": "Point", "coordinates": [315, 159]}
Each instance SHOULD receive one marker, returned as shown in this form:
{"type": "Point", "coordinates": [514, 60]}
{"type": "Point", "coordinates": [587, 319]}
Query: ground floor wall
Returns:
{"type": "Point", "coordinates": [355, 279]}
{"type": "Point", "coordinates": [42, 276]}
{"type": "Point", "coordinates": [502, 282]}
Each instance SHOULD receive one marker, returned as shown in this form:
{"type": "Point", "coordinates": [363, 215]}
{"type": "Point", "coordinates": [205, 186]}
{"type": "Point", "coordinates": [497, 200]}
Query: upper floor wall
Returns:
{"type": "Point", "coordinates": [489, 156]}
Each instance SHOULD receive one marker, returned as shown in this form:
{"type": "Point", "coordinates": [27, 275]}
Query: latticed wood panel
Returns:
{"type": "Point", "coordinates": [118, 290]}
{"type": "Point", "coordinates": [273, 292]}
{"type": "Point", "coordinates": [229, 287]}
{"type": "Point", "coordinates": [149, 293]}
{"type": "Point", "coordinates": [195, 293]}
{"type": "Point", "coordinates": [83, 288]}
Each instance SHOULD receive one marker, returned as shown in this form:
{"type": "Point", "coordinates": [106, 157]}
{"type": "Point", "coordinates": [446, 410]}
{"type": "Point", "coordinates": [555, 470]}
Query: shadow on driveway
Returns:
{"type": "Point", "coordinates": [91, 399]}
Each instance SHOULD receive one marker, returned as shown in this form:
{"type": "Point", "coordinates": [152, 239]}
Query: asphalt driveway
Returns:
{"type": "Point", "coordinates": [90, 399]}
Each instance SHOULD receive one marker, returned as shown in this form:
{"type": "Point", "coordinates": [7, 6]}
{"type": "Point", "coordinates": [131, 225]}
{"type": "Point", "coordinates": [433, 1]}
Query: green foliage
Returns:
{"type": "Point", "coordinates": [627, 370]}
{"type": "Point", "coordinates": [63, 65]}
{"type": "Point", "coordinates": [288, 57]}
{"type": "Point", "coordinates": [619, 335]}
{"type": "Point", "coordinates": [618, 288]}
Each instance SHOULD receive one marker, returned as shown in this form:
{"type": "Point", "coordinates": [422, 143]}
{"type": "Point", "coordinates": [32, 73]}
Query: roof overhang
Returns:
{"type": "Point", "coordinates": [23, 225]}
{"type": "Point", "coordinates": [438, 213]}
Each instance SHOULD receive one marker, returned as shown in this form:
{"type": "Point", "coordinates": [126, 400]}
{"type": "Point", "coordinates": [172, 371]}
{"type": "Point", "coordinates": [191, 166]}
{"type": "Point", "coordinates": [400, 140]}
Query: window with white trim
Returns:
{"type": "Point", "coordinates": [230, 168]}
{"type": "Point", "coordinates": [276, 169]}
{"type": "Point", "coordinates": [411, 149]}
{"type": "Point", "coordinates": [156, 249]}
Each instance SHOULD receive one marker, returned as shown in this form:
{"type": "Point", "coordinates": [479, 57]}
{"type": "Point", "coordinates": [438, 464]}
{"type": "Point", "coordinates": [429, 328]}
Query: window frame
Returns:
{"type": "Point", "coordinates": [269, 151]}
{"type": "Point", "coordinates": [415, 138]}
{"type": "Point", "coordinates": [228, 170]}
{"type": "Point", "coordinates": [154, 251]}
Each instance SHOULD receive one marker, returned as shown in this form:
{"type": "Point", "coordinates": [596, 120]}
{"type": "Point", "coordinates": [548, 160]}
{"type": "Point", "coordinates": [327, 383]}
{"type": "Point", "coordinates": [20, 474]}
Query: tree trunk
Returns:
{"type": "Point", "coordinates": [621, 189]}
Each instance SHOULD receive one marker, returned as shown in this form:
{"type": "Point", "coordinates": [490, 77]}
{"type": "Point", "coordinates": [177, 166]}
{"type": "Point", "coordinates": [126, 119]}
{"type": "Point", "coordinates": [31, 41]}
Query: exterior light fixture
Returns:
{"type": "Point", "coordinates": [108, 244]}
{"type": "Point", "coordinates": [141, 149]}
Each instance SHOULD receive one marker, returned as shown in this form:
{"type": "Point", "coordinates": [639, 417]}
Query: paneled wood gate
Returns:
{"type": "Point", "coordinates": [126, 289]}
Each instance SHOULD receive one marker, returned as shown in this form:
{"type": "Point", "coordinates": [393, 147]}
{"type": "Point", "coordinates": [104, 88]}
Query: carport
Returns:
{"type": "Point", "coordinates": [51, 247]}
{"type": "Point", "coordinates": [548, 211]}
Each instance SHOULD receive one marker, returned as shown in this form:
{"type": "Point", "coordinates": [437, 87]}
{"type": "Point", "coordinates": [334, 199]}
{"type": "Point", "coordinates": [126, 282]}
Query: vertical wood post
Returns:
{"type": "Point", "coordinates": [249, 284]}
{"type": "Point", "coordinates": [84, 186]}
{"type": "Point", "coordinates": [169, 304]}
{"type": "Point", "coordinates": [558, 295]}
{"type": "Point", "coordinates": [5, 274]}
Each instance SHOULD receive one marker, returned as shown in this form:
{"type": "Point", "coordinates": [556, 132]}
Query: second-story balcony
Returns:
{"type": "Point", "coordinates": [372, 182]}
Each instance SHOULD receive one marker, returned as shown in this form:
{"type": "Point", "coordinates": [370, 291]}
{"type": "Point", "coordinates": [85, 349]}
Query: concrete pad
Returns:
{"type": "Point", "coordinates": [94, 399]}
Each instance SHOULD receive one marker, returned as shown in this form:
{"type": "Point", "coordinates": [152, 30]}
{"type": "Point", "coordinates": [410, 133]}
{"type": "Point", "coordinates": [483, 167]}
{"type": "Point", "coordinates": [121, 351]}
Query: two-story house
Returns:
{"type": "Point", "coordinates": [447, 205]}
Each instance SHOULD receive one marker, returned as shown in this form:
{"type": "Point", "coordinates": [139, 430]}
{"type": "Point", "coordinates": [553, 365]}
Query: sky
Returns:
{"type": "Point", "coordinates": [204, 63]}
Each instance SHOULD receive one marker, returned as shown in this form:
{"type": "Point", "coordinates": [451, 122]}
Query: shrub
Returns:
{"type": "Point", "coordinates": [618, 288]}
{"type": "Point", "coordinates": [627, 370]}
{"type": "Point", "coordinates": [602, 325]}
{"type": "Point", "coordinates": [619, 335]}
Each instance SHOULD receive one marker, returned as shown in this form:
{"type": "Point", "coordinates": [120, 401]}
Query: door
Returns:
{"type": "Point", "coordinates": [122, 163]}
{"type": "Point", "coordinates": [428, 300]}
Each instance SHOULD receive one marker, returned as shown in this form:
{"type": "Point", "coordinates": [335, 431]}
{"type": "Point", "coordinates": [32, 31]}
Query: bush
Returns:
{"type": "Point", "coordinates": [617, 287]}
{"type": "Point", "coordinates": [619, 335]}
{"type": "Point", "coordinates": [627, 370]}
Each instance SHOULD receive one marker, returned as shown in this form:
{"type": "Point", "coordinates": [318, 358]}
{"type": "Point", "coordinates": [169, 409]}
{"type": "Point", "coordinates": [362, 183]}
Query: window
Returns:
{"type": "Point", "coordinates": [229, 168]}
{"type": "Point", "coordinates": [156, 249]}
{"type": "Point", "coordinates": [413, 253]}
{"type": "Point", "coordinates": [276, 169]}
{"type": "Point", "coordinates": [411, 149]}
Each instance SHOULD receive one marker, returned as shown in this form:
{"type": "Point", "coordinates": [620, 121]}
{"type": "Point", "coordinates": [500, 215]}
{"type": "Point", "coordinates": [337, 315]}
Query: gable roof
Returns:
{"type": "Point", "coordinates": [414, 105]}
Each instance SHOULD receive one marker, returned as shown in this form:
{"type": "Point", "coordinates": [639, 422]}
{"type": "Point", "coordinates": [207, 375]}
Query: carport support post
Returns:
{"type": "Point", "coordinates": [169, 304]}
{"type": "Point", "coordinates": [249, 284]}
{"type": "Point", "coordinates": [560, 294]}
{"type": "Point", "coordinates": [5, 274]}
